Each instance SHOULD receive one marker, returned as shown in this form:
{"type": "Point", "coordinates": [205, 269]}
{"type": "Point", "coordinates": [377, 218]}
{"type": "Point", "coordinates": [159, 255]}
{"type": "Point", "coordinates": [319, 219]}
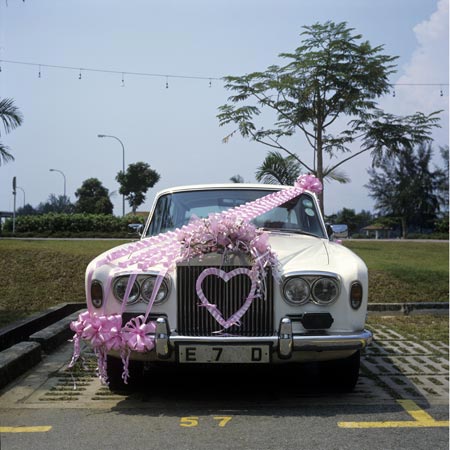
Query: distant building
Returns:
{"type": "Point", "coordinates": [377, 231]}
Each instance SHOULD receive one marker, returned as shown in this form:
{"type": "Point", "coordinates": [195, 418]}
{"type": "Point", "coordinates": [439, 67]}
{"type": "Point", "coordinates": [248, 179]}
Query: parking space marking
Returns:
{"type": "Point", "coordinates": [25, 429]}
{"type": "Point", "coordinates": [421, 419]}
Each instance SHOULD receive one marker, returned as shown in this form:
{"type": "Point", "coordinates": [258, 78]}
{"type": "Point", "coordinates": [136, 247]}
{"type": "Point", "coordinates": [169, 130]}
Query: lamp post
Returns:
{"type": "Point", "coordinates": [62, 173]}
{"type": "Point", "coordinates": [123, 163]}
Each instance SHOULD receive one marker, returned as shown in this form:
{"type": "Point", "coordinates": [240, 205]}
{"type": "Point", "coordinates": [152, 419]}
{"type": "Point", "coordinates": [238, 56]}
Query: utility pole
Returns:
{"type": "Point", "coordinates": [14, 185]}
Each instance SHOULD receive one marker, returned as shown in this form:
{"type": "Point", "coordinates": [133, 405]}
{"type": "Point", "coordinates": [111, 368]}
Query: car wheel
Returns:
{"type": "Point", "coordinates": [114, 370]}
{"type": "Point", "coordinates": [342, 374]}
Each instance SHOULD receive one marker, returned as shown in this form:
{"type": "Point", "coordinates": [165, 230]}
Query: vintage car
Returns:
{"type": "Point", "coordinates": [293, 296]}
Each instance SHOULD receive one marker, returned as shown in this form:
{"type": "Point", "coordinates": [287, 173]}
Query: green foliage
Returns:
{"type": "Point", "coordinates": [136, 181]}
{"type": "Point", "coordinates": [354, 221]}
{"type": "Point", "coordinates": [71, 225]}
{"type": "Point", "coordinates": [404, 186]}
{"type": "Point", "coordinates": [276, 169]}
{"type": "Point", "coordinates": [93, 198]}
{"type": "Point", "coordinates": [332, 74]}
{"type": "Point", "coordinates": [11, 118]}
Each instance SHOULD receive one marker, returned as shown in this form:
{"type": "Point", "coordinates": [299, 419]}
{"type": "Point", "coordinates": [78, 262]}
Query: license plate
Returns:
{"type": "Point", "coordinates": [223, 354]}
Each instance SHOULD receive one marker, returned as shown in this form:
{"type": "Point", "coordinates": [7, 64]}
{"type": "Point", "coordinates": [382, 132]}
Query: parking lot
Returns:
{"type": "Point", "coordinates": [401, 401]}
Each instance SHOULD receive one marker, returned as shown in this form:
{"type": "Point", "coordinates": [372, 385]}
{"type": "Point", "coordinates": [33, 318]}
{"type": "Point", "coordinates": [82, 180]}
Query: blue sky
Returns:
{"type": "Point", "coordinates": [175, 129]}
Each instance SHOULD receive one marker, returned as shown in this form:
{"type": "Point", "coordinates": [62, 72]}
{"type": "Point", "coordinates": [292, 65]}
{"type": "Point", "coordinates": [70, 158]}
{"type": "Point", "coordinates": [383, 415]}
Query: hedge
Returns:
{"type": "Point", "coordinates": [70, 224]}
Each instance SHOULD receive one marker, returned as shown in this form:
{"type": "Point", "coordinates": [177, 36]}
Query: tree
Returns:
{"type": "Point", "coordinates": [11, 118]}
{"type": "Point", "coordinates": [93, 198]}
{"type": "Point", "coordinates": [277, 169]}
{"type": "Point", "coordinates": [442, 176]}
{"type": "Point", "coordinates": [354, 221]}
{"type": "Point", "coordinates": [237, 179]}
{"type": "Point", "coordinates": [332, 75]}
{"type": "Point", "coordinates": [404, 187]}
{"type": "Point", "coordinates": [135, 182]}
{"type": "Point", "coordinates": [56, 204]}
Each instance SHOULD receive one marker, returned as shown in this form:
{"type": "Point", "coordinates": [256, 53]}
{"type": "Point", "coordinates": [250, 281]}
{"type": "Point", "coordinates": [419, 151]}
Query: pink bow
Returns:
{"type": "Point", "coordinates": [93, 330]}
{"type": "Point", "coordinates": [309, 183]}
{"type": "Point", "coordinates": [112, 332]}
{"type": "Point", "coordinates": [135, 334]}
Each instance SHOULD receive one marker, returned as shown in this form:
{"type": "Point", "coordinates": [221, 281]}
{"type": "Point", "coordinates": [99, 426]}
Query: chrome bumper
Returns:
{"type": "Point", "coordinates": [285, 342]}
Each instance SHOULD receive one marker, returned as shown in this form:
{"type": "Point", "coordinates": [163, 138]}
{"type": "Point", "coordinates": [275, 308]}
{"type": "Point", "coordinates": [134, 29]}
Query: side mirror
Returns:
{"type": "Point", "coordinates": [330, 231]}
{"type": "Point", "coordinates": [136, 228]}
{"type": "Point", "coordinates": [337, 231]}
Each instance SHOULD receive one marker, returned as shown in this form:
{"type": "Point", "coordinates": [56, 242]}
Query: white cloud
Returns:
{"type": "Point", "coordinates": [428, 65]}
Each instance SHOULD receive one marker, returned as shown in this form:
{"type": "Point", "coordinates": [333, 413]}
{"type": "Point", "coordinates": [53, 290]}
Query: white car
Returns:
{"type": "Point", "coordinates": [293, 296]}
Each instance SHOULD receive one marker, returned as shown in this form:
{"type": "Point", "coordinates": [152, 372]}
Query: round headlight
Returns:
{"type": "Point", "coordinates": [325, 290]}
{"type": "Point", "coordinates": [296, 290]}
{"type": "Point", "coordinates": [147, 290]}
{"type": "Point", "coordinates": [120, 287]}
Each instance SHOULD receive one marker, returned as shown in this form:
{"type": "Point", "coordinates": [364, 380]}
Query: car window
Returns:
{"type": "Point", "coordinates": [175, 210]}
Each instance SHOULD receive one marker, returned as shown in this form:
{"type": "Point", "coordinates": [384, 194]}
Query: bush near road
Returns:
{"type": "Point", "coordinates": [35, 275]}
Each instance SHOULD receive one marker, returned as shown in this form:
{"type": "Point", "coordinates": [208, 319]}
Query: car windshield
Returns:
{"type": "Point", "coordinates": [177, 209]}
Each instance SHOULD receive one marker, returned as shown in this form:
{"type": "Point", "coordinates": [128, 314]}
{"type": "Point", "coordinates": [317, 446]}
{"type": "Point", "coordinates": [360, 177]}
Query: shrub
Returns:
{"type": "Point", "coordinates": [71, 225]}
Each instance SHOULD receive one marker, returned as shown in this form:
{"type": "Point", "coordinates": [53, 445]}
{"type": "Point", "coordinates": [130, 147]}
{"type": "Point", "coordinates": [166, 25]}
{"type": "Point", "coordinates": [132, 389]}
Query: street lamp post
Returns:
{"type": "Point", "coordinates": [62, 173]}
{"type": "Point", "coordinates": [123, 163]}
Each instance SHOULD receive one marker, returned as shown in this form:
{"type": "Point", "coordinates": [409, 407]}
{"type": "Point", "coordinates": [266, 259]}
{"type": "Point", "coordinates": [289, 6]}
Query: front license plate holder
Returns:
{"type": "Point", "coordinates": [224, 354]}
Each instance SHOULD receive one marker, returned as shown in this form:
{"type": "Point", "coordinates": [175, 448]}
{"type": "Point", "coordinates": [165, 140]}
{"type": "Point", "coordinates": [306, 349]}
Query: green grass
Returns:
{"type": "Point", "coordinates": [402, 271]}
{"type": "Point", "coordinates": [419, 328]}
{"type": "Point", "coordinates": [35, 275]}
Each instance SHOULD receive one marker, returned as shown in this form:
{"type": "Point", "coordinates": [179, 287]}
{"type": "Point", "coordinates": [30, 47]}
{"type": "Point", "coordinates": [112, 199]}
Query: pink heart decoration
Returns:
{"type": "Point", "coordinates": [226, 276]}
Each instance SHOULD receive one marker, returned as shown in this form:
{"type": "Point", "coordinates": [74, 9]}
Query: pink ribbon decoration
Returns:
{"type": "Point", "coordinates": [309, 183]}
{"type": "Point", "coordinates": [226, 276]}
{"type": "Point", "coordinates": [78, 327]}
{"type": "Point", "coordinates": [112, 332]}
{"type": "Point", "coordinates": [136, 334]}
{"type": "Point", "coordinates": [227, 232]}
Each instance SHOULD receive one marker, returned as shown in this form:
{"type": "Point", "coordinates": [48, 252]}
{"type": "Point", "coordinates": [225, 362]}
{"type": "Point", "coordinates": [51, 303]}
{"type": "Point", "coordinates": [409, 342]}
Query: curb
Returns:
{"type": "Point", "coordinates": [21, 330]}
{"type": "Point", "coordinates": [18, 359]}
{"type": "Point", "coordinates": [51, 337]}
{"type": "Point", "coordinates": [408, 308]}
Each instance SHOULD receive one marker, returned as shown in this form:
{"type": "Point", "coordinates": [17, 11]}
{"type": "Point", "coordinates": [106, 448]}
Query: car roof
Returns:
{"type": "Point", "coordinates": [233, 186]}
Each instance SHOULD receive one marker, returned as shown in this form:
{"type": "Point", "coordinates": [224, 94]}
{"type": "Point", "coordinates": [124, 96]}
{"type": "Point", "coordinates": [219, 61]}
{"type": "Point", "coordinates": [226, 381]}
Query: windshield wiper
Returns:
{"type": "Point", "coordinates": [292, 230]}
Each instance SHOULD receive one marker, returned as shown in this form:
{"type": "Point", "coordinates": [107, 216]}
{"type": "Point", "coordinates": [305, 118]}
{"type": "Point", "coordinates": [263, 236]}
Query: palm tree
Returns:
{"type": "Point", "coordinates": [277, 169]}
{"type": "Point", "coordinates": [11, 118]}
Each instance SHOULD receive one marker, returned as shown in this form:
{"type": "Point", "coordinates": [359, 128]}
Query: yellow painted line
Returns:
{"type": "Point", "coordinates": [25, 429]}
{"type": "Point", "coordinates": [421, 419]}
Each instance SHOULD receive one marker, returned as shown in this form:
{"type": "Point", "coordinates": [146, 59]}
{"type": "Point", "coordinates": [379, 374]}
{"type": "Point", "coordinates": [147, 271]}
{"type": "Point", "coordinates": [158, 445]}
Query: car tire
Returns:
{"type": "Point", "coordinates": [114, 370]}
{"type": "Point", "coordinates": [341, 374]}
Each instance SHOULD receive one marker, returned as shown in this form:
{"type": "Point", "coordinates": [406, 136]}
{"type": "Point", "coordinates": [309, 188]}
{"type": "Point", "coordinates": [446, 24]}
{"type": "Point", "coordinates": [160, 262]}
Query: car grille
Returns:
{"type": "Point", "coordinates": [195, 320]}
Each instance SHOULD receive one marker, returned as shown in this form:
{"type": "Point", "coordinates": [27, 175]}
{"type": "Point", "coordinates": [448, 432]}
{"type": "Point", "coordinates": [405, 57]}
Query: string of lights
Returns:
{"type": "Point", "coordinates": [124, 73]}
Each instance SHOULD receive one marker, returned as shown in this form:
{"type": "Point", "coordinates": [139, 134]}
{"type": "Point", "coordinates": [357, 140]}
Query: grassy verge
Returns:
{"type": "Point", "coordinates": [405, 271]}
{"type": "Point", "coordinates": [35, 275]}
{"type": "Point", "coordinates": [417, 328]}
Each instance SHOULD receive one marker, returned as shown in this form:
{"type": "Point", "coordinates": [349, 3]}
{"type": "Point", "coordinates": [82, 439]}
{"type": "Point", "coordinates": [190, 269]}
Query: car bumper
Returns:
{"type": "Point", "coordinates": [285, 344]}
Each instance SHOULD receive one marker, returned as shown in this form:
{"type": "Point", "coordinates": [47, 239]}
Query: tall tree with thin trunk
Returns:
{"type": "Point", "coordinates": [332, 75]}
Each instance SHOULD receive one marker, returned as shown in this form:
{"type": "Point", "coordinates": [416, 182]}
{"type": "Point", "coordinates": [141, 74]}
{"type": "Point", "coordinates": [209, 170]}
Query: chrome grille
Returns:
{"type": "Point", "coordinates": [195, 320]}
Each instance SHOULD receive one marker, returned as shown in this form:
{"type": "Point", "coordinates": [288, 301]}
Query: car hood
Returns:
{"type": "Point", "coordinates": [300, 251]}
{"type": "Point", "coordinates": [294, 252]}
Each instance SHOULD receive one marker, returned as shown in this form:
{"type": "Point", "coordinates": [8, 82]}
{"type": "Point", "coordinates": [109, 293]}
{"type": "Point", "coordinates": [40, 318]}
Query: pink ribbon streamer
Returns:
{"type": "Point", "coordinates": [229, 231]}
